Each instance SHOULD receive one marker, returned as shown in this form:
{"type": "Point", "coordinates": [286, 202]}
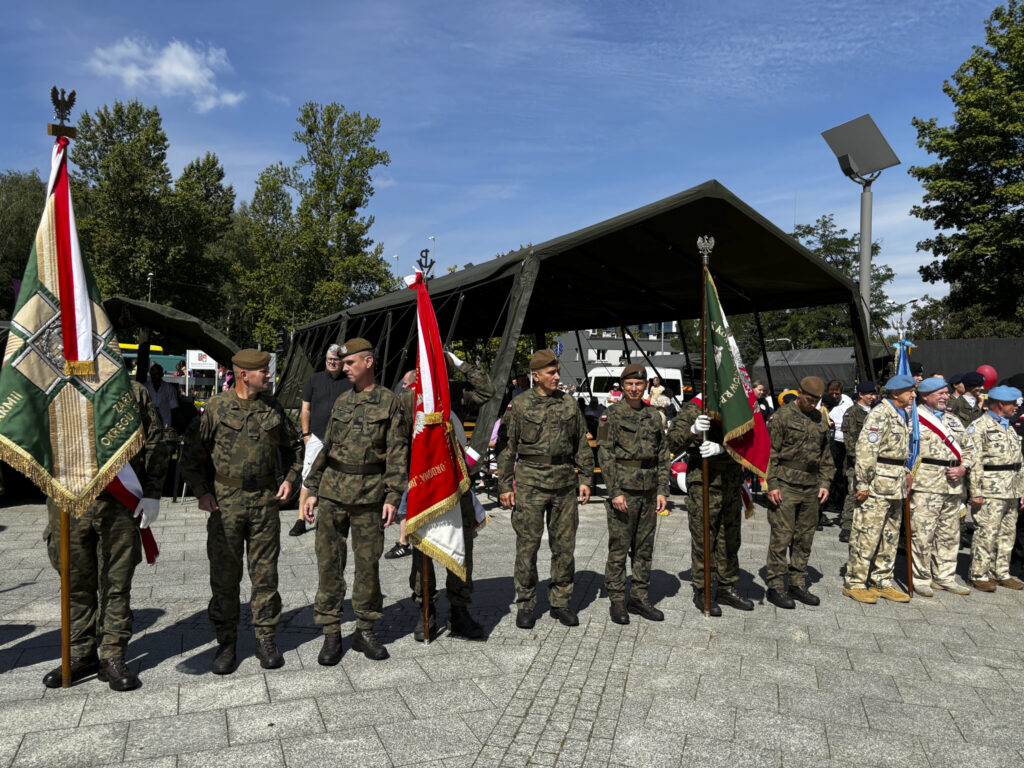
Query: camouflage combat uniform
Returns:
{"type": "Point", "coordinates": [633, 455]}
{"type": "Point", "coordinates": [853, 423]}
{"type": "Point", "coordinates": [935, 502]}
{"type": "Point", "coordinates": [549, 436]}
{"type": "Point", "coordinates": [998, 478]}
{"type": "Point", "coordinates": [465, 397]}
{"type": "Point", "coordinates": [241, 439]}
{"type": "Point", "coordinates": [882, 450]}
{"type": "Point", "coordinates": [963, 410]}
{"type": "Point", "coordinates": [105, 548]}
{"type": "Point", "coordinates": [724, 506]}
{"type": "Point", "coordinates": [801, 463]}
{"type": "Point", "coordinates": [364, 465]}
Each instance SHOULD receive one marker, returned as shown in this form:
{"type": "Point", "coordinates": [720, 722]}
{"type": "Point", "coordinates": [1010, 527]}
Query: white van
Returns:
{"type": "Point", "coordinates": [602, 377]}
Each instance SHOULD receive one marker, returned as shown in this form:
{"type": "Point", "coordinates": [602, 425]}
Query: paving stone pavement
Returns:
{"type": "Point", "coordinates": [937, 682]}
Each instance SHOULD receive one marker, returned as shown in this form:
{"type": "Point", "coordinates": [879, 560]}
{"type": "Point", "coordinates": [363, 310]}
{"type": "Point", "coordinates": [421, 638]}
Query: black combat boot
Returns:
{"type": "Point", "coordinates": [81, 668]}
{"type": "Point", "coordinates": [698, 600]}
{"type": "Point", "coordinates": [566, 615]}
{"type": "Point", "coordinates": [777, 597]}
{"type": "Point", "coordinates": [727, 595]}
{"type": "Point", "coordinates": [643, 607]}
{"type": "Point", "coordinates": [366, 642]}
{"type": "Point", "coordinates": [805, 597]}
{"type": "Point", "coordinates": [267, 653]}
{"type": "Point", "coordinates": [224, 661]}
{"type": "Point", "coordinates": [844, 536]}
{"type": "Point", "coordinates": [330, 653]}
{"type": "Point", "coordinates": [618, 611]}
{"type": "Point", "coordinates": [525, 618]}
{"type": "Point", "coordinates": [117, 674]}
{"type": "Point", "coordinates": [419, 633]}
{"type": "Point", "coordinates": [461, 623]}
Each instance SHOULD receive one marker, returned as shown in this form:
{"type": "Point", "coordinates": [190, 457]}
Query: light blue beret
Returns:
{"type": "Point", "coordinates": [899, 382]}
{"type": "Point", "coordinates": [930, 385]}
{"type": "Point", "coordinates": [1004, 394]}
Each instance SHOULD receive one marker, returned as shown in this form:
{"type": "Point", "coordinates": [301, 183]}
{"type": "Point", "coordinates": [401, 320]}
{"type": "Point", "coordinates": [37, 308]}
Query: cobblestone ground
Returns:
{"type": "Point", "coordinates": [938, 682]}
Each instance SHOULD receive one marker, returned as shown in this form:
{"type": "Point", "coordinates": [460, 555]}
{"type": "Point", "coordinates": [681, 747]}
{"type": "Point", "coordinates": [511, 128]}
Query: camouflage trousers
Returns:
{"type": "Point", "coordinates": [995, 528]}
{"type": "Point", "coordinates": [459, 592]}
{"type": "Point", "coordinates": [236, 530]}
{"type": "Point", "coordinates": [846, 519]}
{"type": "Point", "coordinates": [631, 533]}
{"type": "Point", "coordinates": [873, 540]}
{"type": "Point", "coordinates": [563, 518]}
{"type": "Point", "coordinates": [724, 517]}
{"type": "Point", "coordinates": [104, 550]}
{"type": "Point", "coordinates": [792, 532]}
{"type": "Point", "coordinates": [934, 535]}
{"type": "Point", "coordinates": [334, 521]}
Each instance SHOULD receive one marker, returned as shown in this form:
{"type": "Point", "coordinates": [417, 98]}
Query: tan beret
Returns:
{"type": "Point", "coordinates": [634, 371]}
{"type": "Point", "coordinates": [352, 346]}
{"type": "Point", "coordinates": [812, 385]}
{"type": "Point", "coordinates": [251, 359]}
{"type": "Point", "coordinates": [542, 358]}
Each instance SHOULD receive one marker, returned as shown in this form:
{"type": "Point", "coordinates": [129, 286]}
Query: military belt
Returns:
{"type": "Point", "coordinates": [376, 468]}
{"type": "Point", "coordinates": [1001, 467]}
{"type": "Point", "coordinates": [542, 460]}
{"type": "Point", "coordinates": [637, 463]}
{"type": "Point", "coordinates": [892, 462]}
{"type": "Point", "coordinates": [246, 484]}
{"type": "Point", "coordinates": [941, 462]}
{"type": "Point", "coordinates": [802, 467]}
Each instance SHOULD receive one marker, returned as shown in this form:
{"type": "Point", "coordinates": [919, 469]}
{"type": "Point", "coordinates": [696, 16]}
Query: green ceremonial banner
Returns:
{"type": "Point", "coordinates": [69, 434]}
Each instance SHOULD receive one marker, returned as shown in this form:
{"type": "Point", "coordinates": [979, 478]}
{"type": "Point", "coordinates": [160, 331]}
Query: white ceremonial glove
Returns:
{"type": "Point", "coordinates": [455, 358]}
{"type": "Point", "coordinates": [709, 449]}
{"type": "Point", "coordinates": [150, 511]}
{"type": "Point", "coordinates": [702, 424]}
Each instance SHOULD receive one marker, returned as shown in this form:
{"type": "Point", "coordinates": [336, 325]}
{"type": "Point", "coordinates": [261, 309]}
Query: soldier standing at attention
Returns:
{"type": "Point", "coordinates": [967, 407]}
{"type": "Point", "coordinates": [996, 490]}
{"type": "Point", "coordinates": [105, 548]}
{"type": "Point", "coordinates": [799, 474]}
{"type": "Point", "coordinates": [240, 433]}
{"type": "Point", "coordinates": [938, 488]}
{"type": "Point", "coordinates": [358, 478]}
{"type": "Point", "coordinates": [853, 423]}
{"type": "Point", "coordinates": [882, 483]}
{"type": "Point", "coordinates": [633, 454]}
{"type": "Point", "coordinates": [724, 507]}
{"type": "Point", "coordinates": [547, 436]}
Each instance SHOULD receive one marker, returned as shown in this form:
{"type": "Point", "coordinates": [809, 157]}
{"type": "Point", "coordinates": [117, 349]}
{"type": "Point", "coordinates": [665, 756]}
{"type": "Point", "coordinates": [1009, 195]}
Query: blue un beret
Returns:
{"type": "Point", "coordinates": [1004, 394]}
{"type": "Point", "coordinates": [900, 381]}
{"type": "Point", "coordinates": [930, 385]}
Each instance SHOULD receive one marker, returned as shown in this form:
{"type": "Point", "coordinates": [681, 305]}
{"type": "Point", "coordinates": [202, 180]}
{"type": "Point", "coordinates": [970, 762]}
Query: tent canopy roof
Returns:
{"type": "Point", "coordinates": [129, 314]}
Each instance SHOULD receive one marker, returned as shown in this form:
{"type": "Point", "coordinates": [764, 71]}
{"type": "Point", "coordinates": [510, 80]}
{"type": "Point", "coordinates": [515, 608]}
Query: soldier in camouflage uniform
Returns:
{"type": "Point", "coordinates": [882, 482]}
{"type": "Point", "coordinates": [996, 484]}
{"type": "Point", "coordinates": [853, 423]}
{"type": "Point", "coordinates": [240, 434]}
{"type": "Point", "coordinates": [547, 436]}
{"type": "Point", "coordinates": [967, 407]}
{"type": "Point", "coordinates": [358, 480]}
{"type": "Point", "coordinates": [105, 548]}
{"type": "Point", "coordinates": [633, 454]}
{"type": "Point", "coordinates": [938, 488]}
{"type": "Point", "coordinates": [687, 435]}
{"type": "Point", "coordinates": [799, 474]}
{"type": "Point", "coordinates": [465, 397]}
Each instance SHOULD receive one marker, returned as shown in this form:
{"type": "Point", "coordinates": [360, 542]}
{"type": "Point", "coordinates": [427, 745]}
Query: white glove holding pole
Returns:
{"type": "Point", "coordinates": [149, 509]}
{"type": "Point", "coordinates": [702, 424]}
{"type": "Point", "coordinates": [709, 449]}
{"type": "Point", "coordinates": [454, 358]}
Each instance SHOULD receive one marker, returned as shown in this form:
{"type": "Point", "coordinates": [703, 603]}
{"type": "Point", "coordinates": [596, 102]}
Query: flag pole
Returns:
{"type": "Point", "coordinates": [910, 556]}
{"type": "Point", "coordinates": [426, 597]}
{"type": "Point", "coordinates": [704, 245]}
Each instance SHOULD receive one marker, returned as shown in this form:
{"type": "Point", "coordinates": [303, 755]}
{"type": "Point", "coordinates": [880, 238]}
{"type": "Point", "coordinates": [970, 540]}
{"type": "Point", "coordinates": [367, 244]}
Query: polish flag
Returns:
{"type": "Point", "coordinates": [127, 489]}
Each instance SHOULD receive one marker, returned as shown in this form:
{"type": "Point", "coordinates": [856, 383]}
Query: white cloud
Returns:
{"type": "Point", "coordinates": [176, 69]}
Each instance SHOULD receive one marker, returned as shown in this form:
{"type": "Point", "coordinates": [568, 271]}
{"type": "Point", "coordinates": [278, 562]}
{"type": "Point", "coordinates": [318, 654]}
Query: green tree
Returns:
{"type": "Point", "coordinates": [974, 193]}
{"type": "Point", "coordinates": [22, 196]}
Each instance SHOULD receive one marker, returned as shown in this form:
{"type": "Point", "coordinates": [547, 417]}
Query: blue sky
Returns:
{"type": "Point", "coordinates": [515, 122]}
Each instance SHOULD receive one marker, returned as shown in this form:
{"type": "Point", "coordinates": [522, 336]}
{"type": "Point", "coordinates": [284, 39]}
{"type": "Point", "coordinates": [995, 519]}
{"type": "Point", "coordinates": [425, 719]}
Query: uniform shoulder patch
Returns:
{"type": "Point", "coordinates": [970, 430]}
{"type": "Point", "coordinates": [873, 437]}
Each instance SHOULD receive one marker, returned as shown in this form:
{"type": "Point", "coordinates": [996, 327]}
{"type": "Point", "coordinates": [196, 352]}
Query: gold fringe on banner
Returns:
{"type": "Point", "coordinates": [436, 510]}
{"type": "Point", "coordinates": [79, 368]}
{"type": "Point", "coordinates": [436, 553]}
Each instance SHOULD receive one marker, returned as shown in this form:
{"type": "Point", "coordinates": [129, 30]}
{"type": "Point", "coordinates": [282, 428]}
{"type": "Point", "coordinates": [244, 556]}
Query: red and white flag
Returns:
{"type": "Point", "coordinates": [438, 476]}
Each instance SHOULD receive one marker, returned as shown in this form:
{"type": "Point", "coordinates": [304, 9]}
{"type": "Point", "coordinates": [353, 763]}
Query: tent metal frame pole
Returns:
{"type": "Point", "coordinates": [387, 345]}
{"type": "Point", "coordinates": [522, 291]}
{"type": "Point", "coordinates": [455, 320]}
{"type": "Point", "coordinates": [654, 368]}
{"type": "Point", "coordinates": [686, 354]}
{"type": "Point", "coordinates": [625, 344]}
{"type": "Point", "coordinates": [764, 352]}
{"type": "Point", "coordinates": [405, 352]}
{"type": "Point", "coordinates": [861, 345]}
{"type": "Point", "coordinates": [583, 362]}
{"type": "Point", "coordinates": [539, 341]}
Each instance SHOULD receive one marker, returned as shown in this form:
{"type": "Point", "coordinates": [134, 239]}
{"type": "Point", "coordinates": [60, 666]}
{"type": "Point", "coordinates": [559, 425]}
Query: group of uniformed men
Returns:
{"type": "Point", "coordinates": [545, 470]}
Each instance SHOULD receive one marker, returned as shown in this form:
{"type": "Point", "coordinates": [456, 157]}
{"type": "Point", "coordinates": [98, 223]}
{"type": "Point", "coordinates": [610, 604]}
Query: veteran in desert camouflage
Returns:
{"type": "Point", "coordinates": [800, 471]}
{"type": "Point", "coordinates": [633, 454]}
{"type": "Point", "coordinates": [882, 483]}
{"type": "Point", "coordinates": [944, 459]}
{"type": "Point", "coordinates": [996, 489]}
{"type": "Point", "coordinates": [240, 435]}
{"type": "Point", "coordinates": [547, 443]}
{"type": "Point", "coordinates": [358, 480]}
{"type": "Point", "coordinates": [853, 423]}
{"type": "Point", "coordinates": [105, 549]}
